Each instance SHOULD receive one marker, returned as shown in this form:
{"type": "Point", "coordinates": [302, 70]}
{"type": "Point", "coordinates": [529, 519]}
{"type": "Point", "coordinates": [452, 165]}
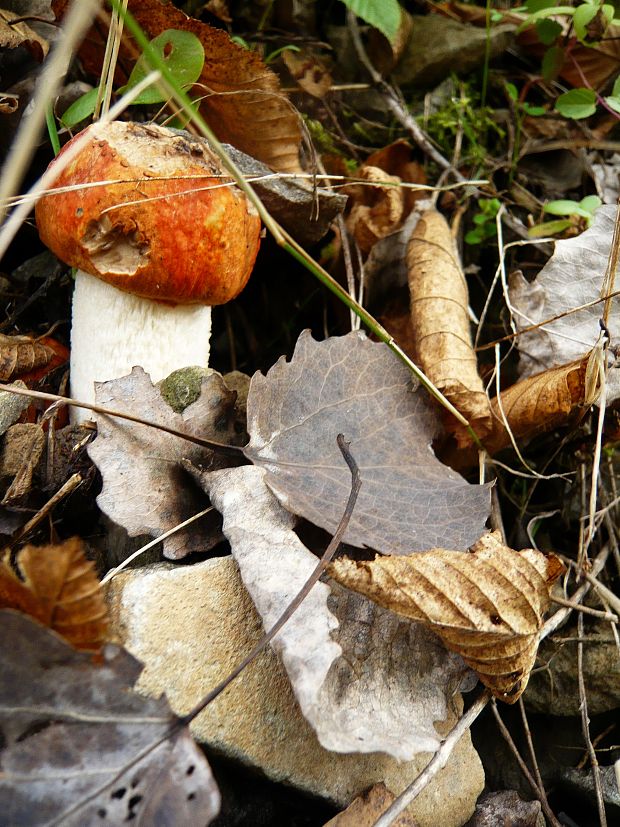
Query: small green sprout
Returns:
{"type": "Point", "coordinates": [580, 215]}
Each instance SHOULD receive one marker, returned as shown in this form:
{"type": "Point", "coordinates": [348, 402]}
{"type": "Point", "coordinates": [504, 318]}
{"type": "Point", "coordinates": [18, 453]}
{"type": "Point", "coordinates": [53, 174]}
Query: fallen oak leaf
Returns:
{"type": "Point", "coordinates": [487, 605]}
{"type": "Point", "coordinates": [60, 588]}
{"type": "Point", "coordinates": [80, 747]}
{"type": "Point", "coordinates": [439, 299]}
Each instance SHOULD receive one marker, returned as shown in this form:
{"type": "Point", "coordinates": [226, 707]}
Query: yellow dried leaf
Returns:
{"type": "Point", "coordinates": [439, 301]}
{"type": "Point", "coordinates": [487, 604]}
{"type": "Point", "coordinates": [530, 407]}
{"type": "Point", "coordinates": [377, 210]}
{"type": "Point", "coordinates": [60, 588]}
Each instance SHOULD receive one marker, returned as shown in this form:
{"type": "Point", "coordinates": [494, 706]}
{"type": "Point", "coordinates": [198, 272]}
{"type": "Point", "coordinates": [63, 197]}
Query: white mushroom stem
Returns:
{"type": "Point", "coordinates": [113, 331]}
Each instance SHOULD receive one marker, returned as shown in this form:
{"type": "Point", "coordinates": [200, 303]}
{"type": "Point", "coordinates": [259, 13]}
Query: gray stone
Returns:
{"type": "Point", "coordinates": [553, 687]}
{"type": "Point", "coordinates": [191, 625]}
{"type": "Point", "coordinates": [438, 46]}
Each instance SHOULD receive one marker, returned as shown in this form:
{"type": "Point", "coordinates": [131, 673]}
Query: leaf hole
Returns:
{"type": "Point", "coordinates": [134, 801]}
{"type": "Point", "coordinates": [102, 813]}
{"type": "Point", "coordinates": [190, 769]}
{"type": "Point", "coordinates": [119, 793]}
{"type": "Point", "coordinates": [496, 620]}
{"type": "Point", "coordinates": [135, 781]}
{"type": "Point", "coordinates": [191, 796]}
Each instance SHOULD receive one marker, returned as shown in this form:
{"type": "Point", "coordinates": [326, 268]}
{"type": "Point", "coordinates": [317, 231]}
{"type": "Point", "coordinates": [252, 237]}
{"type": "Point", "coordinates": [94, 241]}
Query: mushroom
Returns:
{"type": "Point", "coordinates": [158, 234]}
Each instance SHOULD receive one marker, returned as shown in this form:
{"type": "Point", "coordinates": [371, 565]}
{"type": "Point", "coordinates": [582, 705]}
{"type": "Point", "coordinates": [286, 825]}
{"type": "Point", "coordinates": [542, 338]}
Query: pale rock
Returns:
{"type": "Point", "coordinates": [191, 625]}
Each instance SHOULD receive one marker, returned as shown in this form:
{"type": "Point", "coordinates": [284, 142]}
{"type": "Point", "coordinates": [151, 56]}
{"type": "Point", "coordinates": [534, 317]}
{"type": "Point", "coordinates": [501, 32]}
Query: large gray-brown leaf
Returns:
{"type": "Point", "coordinates": [409, 501]}
{"type": "Point", "coordinates": [145, 488]}
{"type": "Point", "coordinates": [82, 748]}
{"type": "Point", "coordinates": [365, 679]}
{"type": "Point", "coordinates": [572, 277]}
{"type": "Point", "coordinates": [486, 605]}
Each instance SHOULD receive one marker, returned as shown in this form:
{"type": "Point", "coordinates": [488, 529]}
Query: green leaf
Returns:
{"type": "Point", "coordinates": [534, 111]}
{"type": "Point", "coordinates": [536, 5]}
{"type": "Point", "coordinates": [549, 228]}
{"type": "Point", "coordinates": [590, 203]}
{"type": "Point", "coordinates": [80, 109]}
{"type": "Point", "coordinates": [552, 62]}
{"type": "Point", "coordinates": [184, 56]}
{"type": "Point", "coordinates": [576, 104]}
{"type": "Point", "coordinates": [584, 14]}
{"type": "Point", "coordinates": [547, 31]}
{"type": "Point", "coordinates": [562, 207]}
{"type": "Point", "coordinates": [382, 14]}
{"type": "Point", "coordinates": [513, 93]}
{"type": "Point", "coordinates": [474, 237]}
{"type": "Point", "coordinates": [613, 102]}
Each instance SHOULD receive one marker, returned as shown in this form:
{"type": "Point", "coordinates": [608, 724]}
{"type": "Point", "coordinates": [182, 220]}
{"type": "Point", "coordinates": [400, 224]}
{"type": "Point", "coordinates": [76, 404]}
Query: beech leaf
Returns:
{"type": "Point", "coordinates": [80, 747]}
{"type": "Point", "coordinates": [60, 588]}
{"type": "Point", "coordinates": [572, 277]}
{"type": "Point", "coordinates": [486, 604]}
{"type": "Point", "coordinates": [365, 679]}
{"type": "Point", "coordinates": [408, 501]}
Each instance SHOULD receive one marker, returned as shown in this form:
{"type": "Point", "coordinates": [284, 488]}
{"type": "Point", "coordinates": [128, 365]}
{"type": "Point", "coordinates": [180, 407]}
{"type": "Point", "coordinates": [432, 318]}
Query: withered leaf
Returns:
{"type": "Point", "coordinates": [439, 301]}
{"type": "Point", "coordinates": [350, 385]}
{"type": "Point", "coordinates": [80, 747]}
{"type": "Point", "coordinates": [530, 407]}
{"type": "Point", "coordinates": [22, 449]}
{"type": "Point", "coordinates": [58, 587]}
{"type": "Point", "coordinates": [240, 96]}
{"type": "Point", "coordinates": [572, 277]}
{"type": "Point", "coordinates": [145, 488]}
{"type": "Point", "coordinates": [308, 71]}
{"type": "Point", "coordinates": [366, 809]}
{"type": "Point", "coordinates": [365, 679]}
{"type": "Point", "coordinates": [377, 210]}
{"type": "Point", "coordinates": [28, 358]}
{"type": "Point", "coordinates": [20, 34]}
{"type": "Point", "coordinates": [486, 604]}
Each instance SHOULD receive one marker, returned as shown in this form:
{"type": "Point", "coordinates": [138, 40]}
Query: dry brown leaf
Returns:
{"type": "Point", "coordinates": [380, 210]}
{"type": "Point", "coordinates": [439, 300]}
{"type": "Point", "coordinates": [22, 449]}
{"type": "Point", "coordinates": [21, 35]}
{"type": "Point", "coordinates": [28, 358]}
{"type": "Point", "coordinates": [241, 97]}
{"type": "Point", "coordinates": [487, 604]}
{"type": "Point", "coordinates": [308, 71]}
{"type": "Point", "coordinates": [530, 407]}
{"type": "Point", "coordinates": [377, 210]}
{"type": "Point", "coordinates": [59, 588]}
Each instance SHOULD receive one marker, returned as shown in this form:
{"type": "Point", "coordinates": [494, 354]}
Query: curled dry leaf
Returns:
{"type": "Point", "coordinates": [20, 455]}
{"type": "Point", "coordinates": [380, 206]}
{"type": "Point", "coordinates": [486, 604]}
{"type": "Point", "coordinates": [59, 587]}
{"type": "Point", "coordinates": [439, 301]}
{"type": "Point", "coordinates": [366, 809]}
{"type": "Point", "coordinates": [365, 679]}
{"type": "Point", "coordinates": [308, 71]}
{"type": "Point", "coordinates": [527, 409]}
{"type": "Point", "coordinates": [28, 358]}
{"type": "Point", "coordinates": [81, 748]}
{"type": "Point", "coordinates": [240, 96]}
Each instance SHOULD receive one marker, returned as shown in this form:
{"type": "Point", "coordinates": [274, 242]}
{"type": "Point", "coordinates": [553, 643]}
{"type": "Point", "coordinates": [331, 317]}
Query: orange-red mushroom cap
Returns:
{"type": "Point", "coordinates": [160, 218]}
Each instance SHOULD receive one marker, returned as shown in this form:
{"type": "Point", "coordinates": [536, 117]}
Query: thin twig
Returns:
{"type": "Point", "coordinates": [579, 607]}
{"type": "Point", "coordinates": [531, 780]}
{"type": "Point", "coordinates": [113, 572]}
{"type": "Point", "coordinates": [70, 485]}
{"type": "Point", "coordinates": [585, 727]}
{"type": "Point", "coordinates": [220, 447]}
{"type": "Point", "coordinates": [530, 745]}
{"type": "Point", "coordinates": [437, 762]}
{"type": "Point", "coordinates": [303, 592]}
